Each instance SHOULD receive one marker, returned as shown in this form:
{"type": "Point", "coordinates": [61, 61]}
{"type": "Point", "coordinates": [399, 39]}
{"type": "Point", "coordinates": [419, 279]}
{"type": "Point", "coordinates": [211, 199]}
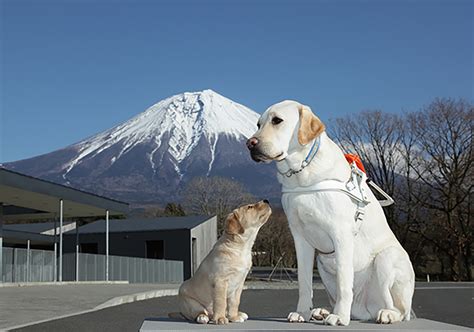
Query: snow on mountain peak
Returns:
{"type": "Point", "coordinates": [182, 119]}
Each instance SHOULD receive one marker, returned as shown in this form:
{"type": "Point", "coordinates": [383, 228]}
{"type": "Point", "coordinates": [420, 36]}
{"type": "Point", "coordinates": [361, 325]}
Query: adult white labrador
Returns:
{"type": "Point", "coordinates": [365, 270]}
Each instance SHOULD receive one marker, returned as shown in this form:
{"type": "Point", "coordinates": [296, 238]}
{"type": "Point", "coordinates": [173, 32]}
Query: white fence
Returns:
{"type": "Point", "coordinates": [18, 266]}
{"type": "Point", "coordinates": [39, 266]}
{"type": "Point", "coordinates": [136, 270]}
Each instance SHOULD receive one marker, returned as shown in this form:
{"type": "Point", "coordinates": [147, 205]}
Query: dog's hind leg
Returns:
{"type": "Point", "coordinates": [396, 281]}
{"type": "Point", "coordinates": [193, 310]}
{"type": "Point", "coordinates": [389, 314]}
{"type": "Point", "coordinates": [402, 293]}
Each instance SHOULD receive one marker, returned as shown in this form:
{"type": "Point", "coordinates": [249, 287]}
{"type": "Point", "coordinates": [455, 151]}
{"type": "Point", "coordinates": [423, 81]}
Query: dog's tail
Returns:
{"type": "Point", "coordinates": [176, 315]}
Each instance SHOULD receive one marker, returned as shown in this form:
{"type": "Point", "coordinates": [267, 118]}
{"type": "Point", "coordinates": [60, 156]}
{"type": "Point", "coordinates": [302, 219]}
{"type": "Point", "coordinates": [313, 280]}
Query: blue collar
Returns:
{"type": "Point", "coordinates": [309, 158]}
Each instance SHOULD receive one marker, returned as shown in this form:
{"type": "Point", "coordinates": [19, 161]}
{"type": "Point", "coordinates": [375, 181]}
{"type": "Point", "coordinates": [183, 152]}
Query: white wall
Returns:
{"type": "Point", "coordinates": [206, 237]}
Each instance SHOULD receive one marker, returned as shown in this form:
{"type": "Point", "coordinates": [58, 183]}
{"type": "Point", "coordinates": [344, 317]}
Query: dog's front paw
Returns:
{"type": "Point", "coordinates": [319, 313]}
{"type": "Point", "coordinates": [202, 319]}
{"type": "Point", "coordinates": [335, 320]}
{"type": "Point", "coordinates": [240, 318]}
{"type": "Point", "coordinates": [295, 317]}
{"type": "Point", "coordinates": [221, 321]}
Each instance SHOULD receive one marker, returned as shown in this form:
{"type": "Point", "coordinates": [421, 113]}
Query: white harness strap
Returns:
{"type": "Point", "coordinates": [352, 188]}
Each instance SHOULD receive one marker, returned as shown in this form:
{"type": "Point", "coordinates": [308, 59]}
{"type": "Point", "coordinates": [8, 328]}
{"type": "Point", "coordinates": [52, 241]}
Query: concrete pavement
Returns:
{"type": "Point", "coordinates": [23, 305]}
{"type": "Point", "coordinates": [29, 306]}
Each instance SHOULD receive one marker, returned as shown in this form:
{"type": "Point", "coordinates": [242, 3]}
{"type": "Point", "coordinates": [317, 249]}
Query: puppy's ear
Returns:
{"type": "Point", "coordinates": [233, 225]}
{"type": "Point", "coordinates": [310, 125]}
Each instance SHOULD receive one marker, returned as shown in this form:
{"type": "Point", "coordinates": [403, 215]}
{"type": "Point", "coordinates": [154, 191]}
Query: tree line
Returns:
{"type": "Point", "coordinates": [424, 159]}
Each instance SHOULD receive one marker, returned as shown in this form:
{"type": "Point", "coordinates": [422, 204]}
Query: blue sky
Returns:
{"type": "Point", "coordinates": [71, 68]}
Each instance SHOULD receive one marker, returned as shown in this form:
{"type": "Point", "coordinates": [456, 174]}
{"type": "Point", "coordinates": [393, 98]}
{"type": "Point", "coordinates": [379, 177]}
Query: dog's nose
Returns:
{"type": "Point", "coordinates": [266, 201]}
{"type": "Point", "coordinates": [252, 142]}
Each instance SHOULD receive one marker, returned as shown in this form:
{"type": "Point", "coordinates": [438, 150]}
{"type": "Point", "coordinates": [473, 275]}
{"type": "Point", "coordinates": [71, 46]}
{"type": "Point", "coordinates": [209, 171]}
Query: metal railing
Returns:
{"type": "Point", "coordinates": [18, 266]}
{"type": "Point", "coordinates": [39, 265]}
{"type": "Point", "coordinates": [91, 267]}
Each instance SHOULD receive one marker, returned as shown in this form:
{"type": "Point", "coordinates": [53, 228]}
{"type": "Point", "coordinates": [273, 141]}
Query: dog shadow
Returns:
{"type": "Point", "coordinates": [178, 320]}
{"type": "Point", "coordinates": [185, 321]}
{"type": "Point", "coordinates": [254, 319]}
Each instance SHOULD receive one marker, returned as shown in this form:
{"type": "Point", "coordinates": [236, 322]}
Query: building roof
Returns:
{"type": "Point", "coordinates": [28, 198]}
{"type": "Point", "coordinates": [37, 228]}
{"type": "Point", "coordinates": [142, 224]}
{"type": "Point", "coordinates": [15, 236]}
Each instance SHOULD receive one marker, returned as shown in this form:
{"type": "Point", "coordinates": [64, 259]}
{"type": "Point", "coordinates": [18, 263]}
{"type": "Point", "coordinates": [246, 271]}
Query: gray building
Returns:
{"type": "Point", "coordinates": [25, 198]}
{"type": "Point", "coordinates": [186, 239]}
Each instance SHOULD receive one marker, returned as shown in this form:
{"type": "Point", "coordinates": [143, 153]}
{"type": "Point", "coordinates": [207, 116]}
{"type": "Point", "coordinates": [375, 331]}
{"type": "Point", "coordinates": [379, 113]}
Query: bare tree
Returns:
{"type": "Point", "coordinates": [425, 160]}
{"type": "Point", "coordinates": [155, 211]}
{"type": "Point", "coordinates": [173, 210]}
{"type": "Point", "coordinates": [409, 212]}
{"type": "Point", "coordinates": [215, 196]}
{"type": "Point", "coordinates": [443, 165]}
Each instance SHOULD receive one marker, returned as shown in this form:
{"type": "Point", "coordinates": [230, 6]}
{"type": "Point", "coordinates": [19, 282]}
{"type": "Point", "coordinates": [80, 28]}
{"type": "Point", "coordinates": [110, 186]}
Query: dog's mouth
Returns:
{"type": "Point", "coordinates": [280, 157]}
{"type": "Point", "coordinates": [266, 212]}
{"type": "Point", "coordinates": [264, 217]}
{"type": "Point", "coordinates": [260, 157]}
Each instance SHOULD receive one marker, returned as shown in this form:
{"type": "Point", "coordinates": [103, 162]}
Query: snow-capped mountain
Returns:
{"type": "Point", "coordinates": [151, 157]}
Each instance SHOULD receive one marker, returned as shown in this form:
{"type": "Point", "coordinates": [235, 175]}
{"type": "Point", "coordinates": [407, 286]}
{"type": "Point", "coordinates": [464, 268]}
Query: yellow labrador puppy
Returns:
{"type": "Point", "coordinates": [214, 290]}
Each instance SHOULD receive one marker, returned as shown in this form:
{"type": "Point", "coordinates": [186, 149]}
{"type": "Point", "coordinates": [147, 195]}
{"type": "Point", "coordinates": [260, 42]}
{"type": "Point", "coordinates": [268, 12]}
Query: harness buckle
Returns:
{"type": "Point", "coordinates": [350, 185]}
{"type": "Point", "coordinates": [359, 215]}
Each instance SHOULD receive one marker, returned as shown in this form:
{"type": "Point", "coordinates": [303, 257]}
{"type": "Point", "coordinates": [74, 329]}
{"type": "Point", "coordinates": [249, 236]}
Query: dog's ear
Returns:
{"type": "Point", "coordinates": [233, 225]}
{"type": "Point", "coordinates": [310, 125]}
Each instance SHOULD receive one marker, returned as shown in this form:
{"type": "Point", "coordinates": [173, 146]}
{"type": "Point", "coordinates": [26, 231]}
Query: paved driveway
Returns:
{"type": "Point", "coordinates": [21, 305]}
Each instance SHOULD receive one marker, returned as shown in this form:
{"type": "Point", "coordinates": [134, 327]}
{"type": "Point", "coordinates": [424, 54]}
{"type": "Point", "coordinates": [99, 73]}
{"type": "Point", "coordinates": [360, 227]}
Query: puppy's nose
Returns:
{"type": "Point", "coordinates": [266, 201]}
{"type": "Point", "coordinates": [252, 142]}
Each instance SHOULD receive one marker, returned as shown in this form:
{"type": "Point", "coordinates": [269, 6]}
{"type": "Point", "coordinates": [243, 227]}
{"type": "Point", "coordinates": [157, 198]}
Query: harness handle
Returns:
{"type": "Point", "coordinates": [385, 202]}
{"type": "Point", "coordinates": [355, 161]}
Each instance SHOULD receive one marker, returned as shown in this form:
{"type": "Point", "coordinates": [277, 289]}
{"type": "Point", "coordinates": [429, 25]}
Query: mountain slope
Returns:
{"type": "Point", "coordinates": [152, 156]}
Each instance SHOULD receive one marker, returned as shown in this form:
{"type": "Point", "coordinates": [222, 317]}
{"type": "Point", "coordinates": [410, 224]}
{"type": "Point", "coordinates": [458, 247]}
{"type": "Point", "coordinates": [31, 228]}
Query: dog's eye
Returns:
{"type": "Point", "coordinates": [258, 125]}
{"type": "Point", "coordinates": [276, 120]}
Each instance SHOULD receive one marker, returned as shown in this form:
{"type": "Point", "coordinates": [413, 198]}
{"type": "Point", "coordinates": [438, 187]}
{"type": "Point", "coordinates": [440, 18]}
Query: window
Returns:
{"type": "Point", "coordinates": [155, 249]}
{"type": "Point", "coordinates": [89, 248]}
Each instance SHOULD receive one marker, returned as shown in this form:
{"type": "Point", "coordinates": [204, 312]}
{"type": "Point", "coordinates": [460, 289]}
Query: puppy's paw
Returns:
{"type": "Point", "coordinates": [295, 317]}
{"type": "Point", "coordinates": [240, 318]}
{"type": "Point", "coordinates": [335, 320]}
{"type": "Point", "coordinates": [202, 319]}
{"type": "Point", "coordinates": [387, 316]}
{"type": "Point", "coordinates": [319, 313]}
{"type": "Point", "coordinates": [221, 321]}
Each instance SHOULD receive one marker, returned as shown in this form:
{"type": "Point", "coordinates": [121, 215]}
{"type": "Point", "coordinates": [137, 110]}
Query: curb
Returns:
{"type": "Point", "coordinates": [137, 297]}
